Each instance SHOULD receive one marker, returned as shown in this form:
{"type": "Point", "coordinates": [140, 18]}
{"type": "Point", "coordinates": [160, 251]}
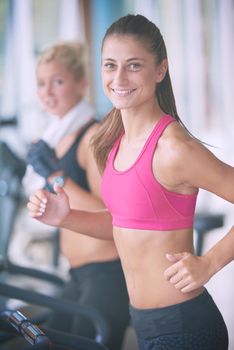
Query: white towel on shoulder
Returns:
{"type": "Point", "coordinates": [57, 129]}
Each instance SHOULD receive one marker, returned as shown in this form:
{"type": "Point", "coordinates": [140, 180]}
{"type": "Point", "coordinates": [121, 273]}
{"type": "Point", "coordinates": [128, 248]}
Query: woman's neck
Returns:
{"type": "Point", "coordinates": [138, 122]}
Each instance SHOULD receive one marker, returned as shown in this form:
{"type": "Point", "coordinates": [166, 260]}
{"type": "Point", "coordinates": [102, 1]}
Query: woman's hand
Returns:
{"type": "Point", "coordinates": [49, 208]}
{"type": "Point", "coordinates": [188, 271]}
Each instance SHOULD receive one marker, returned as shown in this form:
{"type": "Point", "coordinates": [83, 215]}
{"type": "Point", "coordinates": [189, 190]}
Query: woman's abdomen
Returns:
{"type": "Point", "coordinates": [143, 256]}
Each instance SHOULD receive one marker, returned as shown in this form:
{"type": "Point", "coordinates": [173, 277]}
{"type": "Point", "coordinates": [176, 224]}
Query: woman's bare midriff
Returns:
{"type": "Point", "coordinates": [143, 256]}
{"type": "Point", "coordinates": [80, 250]}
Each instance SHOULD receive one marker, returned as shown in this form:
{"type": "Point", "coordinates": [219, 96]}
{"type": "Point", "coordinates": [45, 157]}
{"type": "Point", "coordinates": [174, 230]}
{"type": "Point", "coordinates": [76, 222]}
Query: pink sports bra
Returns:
{"type": "Point", "coordinates": [137, 200]}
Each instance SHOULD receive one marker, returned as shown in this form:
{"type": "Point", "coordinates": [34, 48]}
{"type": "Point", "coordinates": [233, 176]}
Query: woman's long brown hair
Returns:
{"type": "Point", "coordinates": [111, 128]}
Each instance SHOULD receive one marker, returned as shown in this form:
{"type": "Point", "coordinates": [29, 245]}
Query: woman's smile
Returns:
{"type": "Point", "coordinates": [123, 93]}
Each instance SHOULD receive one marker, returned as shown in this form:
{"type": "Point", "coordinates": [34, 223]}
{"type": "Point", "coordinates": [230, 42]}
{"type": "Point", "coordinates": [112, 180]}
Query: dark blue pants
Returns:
{"type": "Point", "coordinates": [195, 324]}
{"type": "Point", "coordinates": [102, 286]}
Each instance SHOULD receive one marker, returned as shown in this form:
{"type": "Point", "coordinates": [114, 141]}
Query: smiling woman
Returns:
{"type": "Point", "coordinates": [60, 88]}
{"type": "Point", "coordinates": [152, 169]}
{"type": "Point", "coordinates": [129, 72]}
{"type": "Point", "coordinates": [63, 153]}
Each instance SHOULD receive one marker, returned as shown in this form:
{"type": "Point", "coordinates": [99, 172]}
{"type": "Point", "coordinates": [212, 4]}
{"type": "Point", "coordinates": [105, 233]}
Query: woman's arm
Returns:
{"type": "Point", "coordinates": [201, 169]}
{"type": "Point", "coordinates": [87, 215]}
{"type": "Point", "coordinates": [54, 210]}
{"type": "Point", "coordinates": [190, 272]}
{"type": "Point", "coordinates": [97, 224]}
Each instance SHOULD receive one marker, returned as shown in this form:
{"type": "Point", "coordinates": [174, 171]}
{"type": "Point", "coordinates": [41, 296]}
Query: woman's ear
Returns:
{"type": "Point", "coordinates": [161, 70]}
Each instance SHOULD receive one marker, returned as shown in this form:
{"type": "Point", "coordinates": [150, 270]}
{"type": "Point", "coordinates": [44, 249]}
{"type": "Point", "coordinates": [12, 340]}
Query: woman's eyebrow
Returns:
{"type": "Point", "coordinates": [135, 59]}
{"type": "Point", "coordinates": [128, 60]}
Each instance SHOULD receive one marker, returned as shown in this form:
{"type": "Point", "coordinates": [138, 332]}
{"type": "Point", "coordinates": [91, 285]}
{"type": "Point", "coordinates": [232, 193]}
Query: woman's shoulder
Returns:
{"type": "Point", "coordinates": [91, 131]}
{"type": "Point", "coordinates": [176, 150]}
{"type": "Point", "coordinates": [176, 139]}
{"type": "Point", "coordinates": [84, 150]}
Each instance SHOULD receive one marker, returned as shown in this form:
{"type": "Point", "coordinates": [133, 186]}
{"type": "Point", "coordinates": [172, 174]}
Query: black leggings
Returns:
{"type": "Point", "coordinates": [195, 324]}
{"type": "Point", "coordinates": [102, 286]}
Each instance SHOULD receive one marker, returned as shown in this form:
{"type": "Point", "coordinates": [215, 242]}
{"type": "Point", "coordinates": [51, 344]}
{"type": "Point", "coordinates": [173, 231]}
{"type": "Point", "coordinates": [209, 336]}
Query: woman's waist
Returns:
{"type": "Point", "coordinates": [145, 277]}
{"type": "Point", "coordinates": [155, 292]}
{"type": "Point", "coordinates": [145, 252]}
{"type": "Point", "coordinates": [92, 270]}
{"type": "Point", "coordinates": [80, 249]}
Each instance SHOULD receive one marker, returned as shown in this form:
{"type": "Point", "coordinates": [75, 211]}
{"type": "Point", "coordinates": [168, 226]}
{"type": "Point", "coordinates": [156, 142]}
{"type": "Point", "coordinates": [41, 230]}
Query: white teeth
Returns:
{"type": "Point", "coordinates": [122, 92]}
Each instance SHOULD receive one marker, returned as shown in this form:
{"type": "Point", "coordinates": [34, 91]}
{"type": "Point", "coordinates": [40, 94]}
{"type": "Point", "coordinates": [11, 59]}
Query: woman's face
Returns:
{"type": "Point", "coordinates": [57, 89]}
{"type": "Point", "coordinates": [129, 72]}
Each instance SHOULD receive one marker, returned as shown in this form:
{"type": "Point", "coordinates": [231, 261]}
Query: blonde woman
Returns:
{"type": "Point", "coordinates": [63, 154]}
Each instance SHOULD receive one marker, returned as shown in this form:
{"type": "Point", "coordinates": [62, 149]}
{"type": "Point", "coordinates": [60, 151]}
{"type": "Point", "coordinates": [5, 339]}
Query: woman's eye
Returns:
{"type": "Point", "coordinates": [134, 66]}
{"type": "Point", "coordinates": [109, 66]}
{"type": "Point", "coordinates": [57, 81]}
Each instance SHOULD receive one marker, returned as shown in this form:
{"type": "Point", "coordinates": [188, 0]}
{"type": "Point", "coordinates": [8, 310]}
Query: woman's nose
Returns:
{"type": "Point", "coordinates": [121, 75]}
{"type": "Point", "coordinates": [47, 90]}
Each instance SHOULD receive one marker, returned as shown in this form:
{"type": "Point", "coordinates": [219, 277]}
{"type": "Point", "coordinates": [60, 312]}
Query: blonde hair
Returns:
{"type": "Point", "coordinates": [70, 54]}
